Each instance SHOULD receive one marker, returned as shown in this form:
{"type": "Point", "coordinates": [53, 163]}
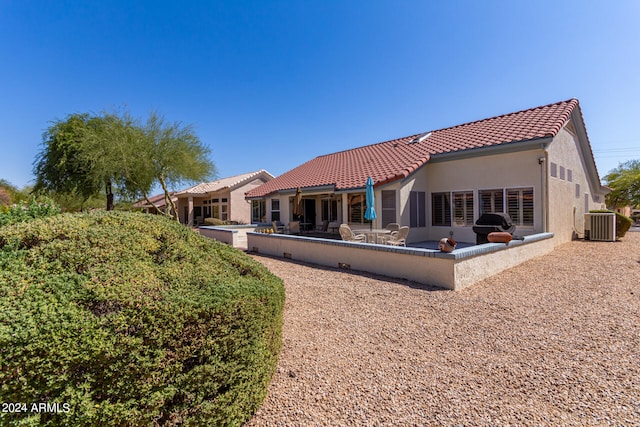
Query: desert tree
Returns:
{"type": "Point", "coordinates": [624, 182]}
{"type": "Point", "coordinates": [68, 163]}
{"type": "Point", "coordinates": [173, 155]}
{"type": "Point", "coordinates": [85, 155]}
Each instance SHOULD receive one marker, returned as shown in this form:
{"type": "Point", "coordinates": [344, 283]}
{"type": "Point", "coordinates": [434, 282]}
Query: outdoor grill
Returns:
{"type": "Point", "coordinates": [490, 222]}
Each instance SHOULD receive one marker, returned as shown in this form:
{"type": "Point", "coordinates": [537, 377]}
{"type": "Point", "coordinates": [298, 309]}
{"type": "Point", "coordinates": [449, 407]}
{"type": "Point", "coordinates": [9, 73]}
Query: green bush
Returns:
{"type": "Point", "coordinates": [213, 221]}
{"type": "Point", "coordinates": [38, 207]}
{"type": "Point", "coordinates": [133, 319]}
{"type": "Point", "coordinates": [216, 221]}
{"type": "Point", "coordinates": [623, 223]}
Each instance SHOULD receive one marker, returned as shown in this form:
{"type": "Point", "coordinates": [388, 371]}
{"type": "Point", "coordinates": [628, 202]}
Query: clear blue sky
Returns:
{"type": "Point", "coordinates": [271, 84]}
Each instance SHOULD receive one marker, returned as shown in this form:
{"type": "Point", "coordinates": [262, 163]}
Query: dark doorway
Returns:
{"type": "Point", "coordinates": [309, 213]}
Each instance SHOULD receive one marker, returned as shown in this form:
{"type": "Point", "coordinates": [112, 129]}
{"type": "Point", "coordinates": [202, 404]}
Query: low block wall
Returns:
{"type": "Point", "coordinates": [234, 235]}
{"type": "Point", "coordinates": [455, 270]}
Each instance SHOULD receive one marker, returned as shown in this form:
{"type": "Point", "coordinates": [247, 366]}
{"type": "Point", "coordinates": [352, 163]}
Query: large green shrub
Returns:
{"type": "Point", "coordinates": [132, 319]}
{"type": "Point", "coordinates": [623, 223]}
{"type": "Point", "coordinates": [37, 207]}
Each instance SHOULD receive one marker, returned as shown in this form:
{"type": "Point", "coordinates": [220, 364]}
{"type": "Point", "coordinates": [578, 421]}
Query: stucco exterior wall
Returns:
{"type": "Point", "coordinates": [239, 207]}
{"type": "Point", "coordinates": [509, 170]}
{"type": "Point", "coordinates": [471, 270]}
{"type": "Point", "coordinates": [235, 236]}
{"type": "Point", "coordinates": [570, 191]}
{"type": "Point", "coordinates": [455, 271]}
{"type": "Point", "coordinates": [415, 182]}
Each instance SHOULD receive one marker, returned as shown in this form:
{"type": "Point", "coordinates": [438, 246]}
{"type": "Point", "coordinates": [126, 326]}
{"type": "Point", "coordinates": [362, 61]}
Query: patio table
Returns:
{"type": "Point", "coordinates": [376, 232]}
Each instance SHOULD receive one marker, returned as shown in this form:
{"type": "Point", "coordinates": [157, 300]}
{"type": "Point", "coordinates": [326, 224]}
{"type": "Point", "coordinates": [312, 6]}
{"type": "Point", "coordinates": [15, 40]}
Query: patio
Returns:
{"type": "Point", "coordinates": [236, 236]}
{"type": "Point", "coordinates": [421, 262]}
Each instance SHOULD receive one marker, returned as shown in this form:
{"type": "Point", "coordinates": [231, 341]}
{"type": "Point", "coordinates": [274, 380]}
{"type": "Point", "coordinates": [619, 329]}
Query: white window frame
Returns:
{"type": "Point", "coordinates": [467, 212]}
{"type": "Point", "coordinates": [521, 208]}
{"type": "Point", "coordinates": [275, 211]}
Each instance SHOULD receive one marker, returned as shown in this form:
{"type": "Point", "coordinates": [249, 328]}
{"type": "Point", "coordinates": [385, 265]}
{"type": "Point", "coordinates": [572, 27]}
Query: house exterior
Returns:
{"type": "Point", "coordinates": [156, 204]}
{"type": "Point", "coordinates": [536, 165]}
{"type": "Point", "coordinates": [223, 199]}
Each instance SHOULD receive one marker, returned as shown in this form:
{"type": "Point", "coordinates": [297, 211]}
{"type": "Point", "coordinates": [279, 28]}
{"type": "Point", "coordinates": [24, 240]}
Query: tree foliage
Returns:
{"type": "Point", "coordinates": [86, 155]}
{"type": "Point", "coordinates": [625, 184]}
{"type": "Point", "coordinates": [9, 193]}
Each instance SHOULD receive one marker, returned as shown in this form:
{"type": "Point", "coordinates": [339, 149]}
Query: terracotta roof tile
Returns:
{"type": "Point", "coordinates": [217, 185]}
{"type": "Point", "coordinates": [391, 160]}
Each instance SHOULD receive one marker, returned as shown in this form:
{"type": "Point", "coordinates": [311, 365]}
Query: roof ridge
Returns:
{"type": "Point", "coordinates": [567, 101]}
{"type": "Point", "coordinates": [526, 110]}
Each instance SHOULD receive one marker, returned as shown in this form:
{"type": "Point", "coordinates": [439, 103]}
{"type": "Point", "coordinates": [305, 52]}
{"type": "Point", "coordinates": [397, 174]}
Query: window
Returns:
{"type": "Point", "coordinates": [357, 207]}
{"type": "Point", "coordinates": [224, 211]}
{"type": "Point", "coordinates": [440, 209]}
{"type": "Point", "coordinates": [569, 175]}
{"type": "Point", "coordinates": [417, 206]}
{"type": "Point", "coordinates": [562, 172]}
{"type": "Point", "coordinates": [554, 170]}
{"type": "Point", "coordinates": [463, 208]}
{"type": "Point", "coordinates": [275, 209]}
{"type": "Point", "coordinates": [258, 210]}
{"type": "Point", "coordinates": [520, 206]}
{"type": "Point", "coordinates": [578, 192]}
{"type": "Point", "coordinates": [491, 201]}
{"type": "Point", "coordinates": [388, 207]}
{"type": "Point", "coordinates": [329, 210]}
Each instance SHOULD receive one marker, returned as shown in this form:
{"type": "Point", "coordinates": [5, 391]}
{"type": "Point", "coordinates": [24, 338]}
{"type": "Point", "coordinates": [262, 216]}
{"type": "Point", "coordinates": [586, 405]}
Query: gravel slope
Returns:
{"type": "Point", "coordinates": [554, 341]}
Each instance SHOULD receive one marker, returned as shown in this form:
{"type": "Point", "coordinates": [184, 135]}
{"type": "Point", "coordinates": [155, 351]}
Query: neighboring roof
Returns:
{"type": "Point", "coordinates": [221, 184]}
{"type": "Point", "coordinates": [157, 200]}
{"type": "Point", "coordinates": [396, 159]}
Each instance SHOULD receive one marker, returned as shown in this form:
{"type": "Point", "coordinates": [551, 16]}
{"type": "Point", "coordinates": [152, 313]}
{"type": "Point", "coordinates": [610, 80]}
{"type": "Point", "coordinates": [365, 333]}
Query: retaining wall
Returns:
{"type": "Point", "coordinates": [455, 270]}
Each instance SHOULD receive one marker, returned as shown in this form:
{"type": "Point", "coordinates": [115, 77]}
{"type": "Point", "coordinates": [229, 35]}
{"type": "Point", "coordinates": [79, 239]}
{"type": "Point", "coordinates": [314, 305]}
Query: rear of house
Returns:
{"type": "Point", "coordinates": [536, 165]}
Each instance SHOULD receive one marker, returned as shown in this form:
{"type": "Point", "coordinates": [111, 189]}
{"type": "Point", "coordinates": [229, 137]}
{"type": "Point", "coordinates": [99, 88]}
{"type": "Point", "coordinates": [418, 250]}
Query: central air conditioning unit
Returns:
{"type": "Point", "coordinates": [600, 226]}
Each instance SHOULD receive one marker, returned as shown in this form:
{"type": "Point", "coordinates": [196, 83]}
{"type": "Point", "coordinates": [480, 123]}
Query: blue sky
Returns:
{"type": "Point", "coordinates": [272, 84]}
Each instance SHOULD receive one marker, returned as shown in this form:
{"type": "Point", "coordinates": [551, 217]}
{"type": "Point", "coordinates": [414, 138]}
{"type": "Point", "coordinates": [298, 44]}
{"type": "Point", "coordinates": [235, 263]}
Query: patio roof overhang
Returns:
{"type": "Point", "coordinates": [306, 191]}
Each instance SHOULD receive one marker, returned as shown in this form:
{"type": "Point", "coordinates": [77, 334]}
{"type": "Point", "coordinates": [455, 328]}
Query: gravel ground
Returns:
{"type": "Point", "coordinates": [553, 341]}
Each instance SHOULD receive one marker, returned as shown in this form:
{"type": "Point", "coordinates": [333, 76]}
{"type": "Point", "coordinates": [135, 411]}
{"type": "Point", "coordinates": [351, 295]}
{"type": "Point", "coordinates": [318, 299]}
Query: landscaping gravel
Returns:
{"type": "Point", "coordinates": [553, 341]}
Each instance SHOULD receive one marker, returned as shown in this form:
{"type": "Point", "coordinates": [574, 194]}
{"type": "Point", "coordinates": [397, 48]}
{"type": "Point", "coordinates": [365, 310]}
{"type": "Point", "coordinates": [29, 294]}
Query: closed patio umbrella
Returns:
{"type": "Point", "coordinates": [370, 213]}
{"type": "Point", "coordinates": [297, 203]}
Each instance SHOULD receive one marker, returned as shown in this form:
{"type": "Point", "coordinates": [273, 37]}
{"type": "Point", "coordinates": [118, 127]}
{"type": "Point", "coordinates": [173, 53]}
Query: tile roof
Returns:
{"type": "Point", "coordinates": [158, 200]}
{"type": "Point", "coordinates": [391, 160]}
{"type": "Point", "coordinates": [220, 184]}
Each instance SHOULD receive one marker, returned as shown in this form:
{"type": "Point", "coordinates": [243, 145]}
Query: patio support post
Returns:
{"type": "Point", "coordinates": [345, 208]}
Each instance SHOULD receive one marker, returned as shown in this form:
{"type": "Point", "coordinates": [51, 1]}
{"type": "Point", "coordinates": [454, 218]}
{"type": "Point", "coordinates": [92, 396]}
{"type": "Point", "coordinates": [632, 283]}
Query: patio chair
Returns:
{"type": "Point", "coordinates": [294, 227]}
{"type": "Point", "coordinates": [399, 237]}
{"type": "Point", "coordinates": [393, 226]}
{"type": "Point", "coordinates": [277, 228]}
{"type": "Point", "coordinates": [348, 235]}
{"type": "Point", "coordinates": [324, 227]}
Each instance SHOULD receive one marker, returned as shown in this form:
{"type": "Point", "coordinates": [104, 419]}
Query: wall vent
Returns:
{"type": "Point", "coordinates": [600, 227]}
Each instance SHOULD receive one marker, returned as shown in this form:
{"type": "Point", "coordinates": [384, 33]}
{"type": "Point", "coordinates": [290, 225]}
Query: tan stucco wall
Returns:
{"type": "Point", "coordinates": [239, 207]}
{"type": "Point", "coordinates": [471, 270]}
{"type": "Point", "coordinates": [511, 170]}
{"type": "Point", "coordinates": [437, 272]}
{"type": "Point", "coordinates": [566, 208]}
{"type": "Point", "coordinates": [422, 266]}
